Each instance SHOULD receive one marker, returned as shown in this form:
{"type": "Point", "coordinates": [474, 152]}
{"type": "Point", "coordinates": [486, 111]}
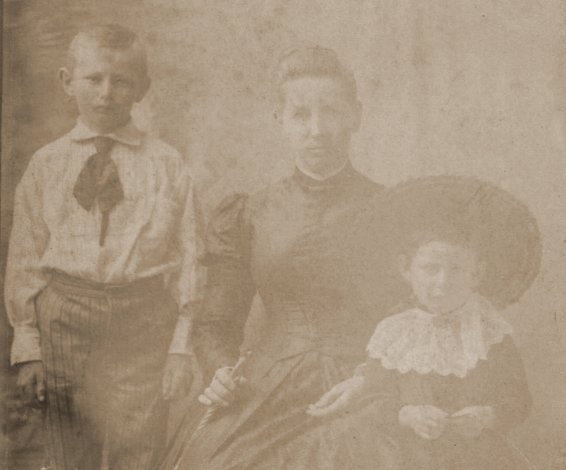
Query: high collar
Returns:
{"type": "Point", "coordinates": [340, 178]}
{"type": "Point", "coordinates": [128, 134]}
{"type": "Point", "coordinates": [313, 175]}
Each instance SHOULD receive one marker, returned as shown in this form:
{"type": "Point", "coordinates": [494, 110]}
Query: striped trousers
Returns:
{"type": "Point", "coordinates": [103, 351]}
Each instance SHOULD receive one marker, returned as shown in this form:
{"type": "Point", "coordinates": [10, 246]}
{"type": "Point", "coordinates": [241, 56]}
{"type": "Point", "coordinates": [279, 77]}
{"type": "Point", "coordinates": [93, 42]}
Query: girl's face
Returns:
{"type": "Point", "coordinates": [442, 276]}
{"type": "Point", "coordinates": [318, 118]}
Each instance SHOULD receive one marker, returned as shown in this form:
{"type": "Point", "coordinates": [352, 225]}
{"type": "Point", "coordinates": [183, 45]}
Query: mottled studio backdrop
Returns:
{"type": "Point", "coordinates": [448, 86]}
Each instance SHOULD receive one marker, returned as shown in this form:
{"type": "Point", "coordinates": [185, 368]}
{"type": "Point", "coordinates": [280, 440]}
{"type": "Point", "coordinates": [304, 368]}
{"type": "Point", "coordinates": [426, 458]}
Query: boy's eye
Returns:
{"type": "Point", "coordinates": [93, 78]}
{"type": "Point", "coordinates": [330, 110]}
{"type": "Point", "coordinates": [430, 268]}
{"type": "Point", "coordinates": [120, 81]}
{"type": "Point", "coordinates": [300, 113]}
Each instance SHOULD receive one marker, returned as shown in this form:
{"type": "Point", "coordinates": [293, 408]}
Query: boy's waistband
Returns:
{"type": "Point", "coordinates": [75, 285]}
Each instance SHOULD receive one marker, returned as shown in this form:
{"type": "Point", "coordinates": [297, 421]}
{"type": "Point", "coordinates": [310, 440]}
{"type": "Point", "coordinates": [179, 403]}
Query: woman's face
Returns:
{"type": "Point", "coordinates": [442, 276]}
{"type": "Point", "coordinates": [318, 117]}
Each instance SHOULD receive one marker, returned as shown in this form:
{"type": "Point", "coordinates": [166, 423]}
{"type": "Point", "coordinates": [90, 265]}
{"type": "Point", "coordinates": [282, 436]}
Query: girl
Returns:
{"type": "Point", "coordinates": [446, 377]}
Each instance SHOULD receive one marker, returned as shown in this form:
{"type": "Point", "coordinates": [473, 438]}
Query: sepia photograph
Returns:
{"type": "Point", "coordinates": [283, 235]}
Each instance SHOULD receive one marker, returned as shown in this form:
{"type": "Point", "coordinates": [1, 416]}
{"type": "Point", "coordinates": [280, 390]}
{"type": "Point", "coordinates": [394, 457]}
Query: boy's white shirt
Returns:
{"type": "Point", "coordinates": [156, 229]}
{"type": "Point", "coordinates": [416, 340]}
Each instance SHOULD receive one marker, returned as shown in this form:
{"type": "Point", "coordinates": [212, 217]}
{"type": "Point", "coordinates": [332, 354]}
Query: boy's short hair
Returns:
{"type": "Point", "coordinates": [109, 36]}
{"type": "Point", "coordinates": [313, 61]}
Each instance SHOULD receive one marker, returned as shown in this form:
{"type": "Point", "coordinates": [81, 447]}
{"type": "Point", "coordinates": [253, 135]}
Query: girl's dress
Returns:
{"type": "Point", "coordinates": [466, 359]}
{"type": "Point", "coordinates": [303, 246]}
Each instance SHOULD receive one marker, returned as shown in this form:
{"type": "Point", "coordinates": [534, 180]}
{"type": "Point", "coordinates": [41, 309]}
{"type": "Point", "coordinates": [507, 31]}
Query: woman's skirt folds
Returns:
{"type": "Point", "coordinates": [268, 427]}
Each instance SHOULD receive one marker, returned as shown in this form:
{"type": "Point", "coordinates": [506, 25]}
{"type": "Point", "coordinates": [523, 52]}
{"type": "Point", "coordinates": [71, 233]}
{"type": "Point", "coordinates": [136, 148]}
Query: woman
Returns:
{"type": "Point", "coordinates": [299, 244]}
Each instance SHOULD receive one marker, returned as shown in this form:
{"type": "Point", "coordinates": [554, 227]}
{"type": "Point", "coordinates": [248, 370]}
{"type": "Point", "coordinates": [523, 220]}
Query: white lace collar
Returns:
{"type": "Point", "coordinates": [422, 342]}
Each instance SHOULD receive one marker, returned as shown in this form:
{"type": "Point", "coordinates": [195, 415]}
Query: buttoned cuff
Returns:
{"type": "Point", "coordinates": [180, 342]}
{"type": "Point", "coordinates": [26, 345]}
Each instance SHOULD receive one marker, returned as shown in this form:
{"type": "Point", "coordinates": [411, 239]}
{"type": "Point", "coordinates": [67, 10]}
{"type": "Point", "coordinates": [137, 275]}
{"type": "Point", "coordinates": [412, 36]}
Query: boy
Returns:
{"type": "Point", "coordinates": [102, 276]}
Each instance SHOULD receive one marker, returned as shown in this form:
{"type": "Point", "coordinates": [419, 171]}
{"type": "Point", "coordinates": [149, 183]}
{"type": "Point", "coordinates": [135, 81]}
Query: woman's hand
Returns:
{"type": "Point", "coordinates": [338, 398]}
{"type": "Point", "coordinates": [223, 389]}
{"type": "Point", "coordinates": [470, 421]}
{"type": "Point", "coordinates": [427, 421]}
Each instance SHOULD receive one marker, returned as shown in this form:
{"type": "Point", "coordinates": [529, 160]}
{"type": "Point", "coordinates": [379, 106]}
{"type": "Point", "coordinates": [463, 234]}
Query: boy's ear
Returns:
{"type": "Point", "coordinates": [65, 77]}
{"type": "Point", "coordinates": [357, 116]}
{"type": "Point", "coordinates": [143, 88]}
{"type": "Point", "coordinates": [278, 111]}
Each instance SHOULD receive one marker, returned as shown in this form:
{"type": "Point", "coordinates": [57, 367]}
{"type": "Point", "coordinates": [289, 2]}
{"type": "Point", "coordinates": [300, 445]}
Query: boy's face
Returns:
{"type": "Point", "coordinates": [442, 276]}
{"type": "Point", "coordinates": [318, 118]}
{"type": "Point", "coordinates": [105, 84]}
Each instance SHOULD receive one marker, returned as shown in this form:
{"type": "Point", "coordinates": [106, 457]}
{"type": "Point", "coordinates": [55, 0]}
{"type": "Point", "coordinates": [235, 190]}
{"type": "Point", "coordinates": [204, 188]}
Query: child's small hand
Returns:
{"type": "Point", "coordinates": [427, 421]}
{"type": "Point", "coordinates": [469, 422]}
{"type": "Point", "coordinates": [338, 398]}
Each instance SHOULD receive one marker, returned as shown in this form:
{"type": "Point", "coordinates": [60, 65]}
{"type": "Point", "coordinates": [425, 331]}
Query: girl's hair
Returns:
{"type": "Point", "coordinates": [451, 235]}
{"type": "Point", "coordinates": [313, 61]}
{"type": "Point", "coordinates": [109, 36]}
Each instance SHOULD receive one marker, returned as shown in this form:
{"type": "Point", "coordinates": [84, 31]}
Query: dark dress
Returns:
{"type": "Point", "coordinates": [498, 381]}
{"type": "Point", "coordinates": [304, 246]}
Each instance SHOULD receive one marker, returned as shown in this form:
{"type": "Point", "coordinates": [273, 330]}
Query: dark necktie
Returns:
{"type": "Point", "coordinates": [99, 180]}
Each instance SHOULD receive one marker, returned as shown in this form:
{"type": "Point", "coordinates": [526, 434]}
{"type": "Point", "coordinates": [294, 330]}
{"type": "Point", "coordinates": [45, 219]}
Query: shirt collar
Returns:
{"type": "Point", "coordinates": [128, 135]}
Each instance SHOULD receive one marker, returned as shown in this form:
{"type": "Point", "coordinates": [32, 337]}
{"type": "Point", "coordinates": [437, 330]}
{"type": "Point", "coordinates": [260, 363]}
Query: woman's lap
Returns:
{"type": "Point", "coordinates": [279, 434]}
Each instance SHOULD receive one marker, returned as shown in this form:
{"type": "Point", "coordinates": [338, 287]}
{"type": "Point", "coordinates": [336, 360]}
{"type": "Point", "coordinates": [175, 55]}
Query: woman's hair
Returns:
{"type": "Point", "coordinates": [108, 36]}
{"type": "Point", "coordinates": [313, 61]}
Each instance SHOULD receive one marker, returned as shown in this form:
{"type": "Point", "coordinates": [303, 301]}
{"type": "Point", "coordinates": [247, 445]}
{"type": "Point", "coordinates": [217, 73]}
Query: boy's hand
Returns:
{"type": "Point", "coordinates": [427, 421]}
{"type": "Point", "coordinates": [177, 377]}
{"type": "Point", "coordinates": [470, 421]}
{"type": "Point", "coordinates": [31, 381]}
{"type": "Point", "coordinates": [223, 388]}
{"type": "Point", "coordinates": [338, 398]}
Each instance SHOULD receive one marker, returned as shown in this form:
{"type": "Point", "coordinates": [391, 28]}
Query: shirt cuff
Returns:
{"type": "Point", "coordinates": [180, 341]}
{"type": "Point", "coordinates": [26, 345]}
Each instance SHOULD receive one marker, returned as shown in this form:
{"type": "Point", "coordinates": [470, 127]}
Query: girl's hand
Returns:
{"type": "Point", "coordinates": [338, 398]}
{"type": "Point", "coordinates": [470, 421]}
{"type": "Point", "coordinates": [223, 388]}
{"type": "Point", "coordinates": [427, 421]}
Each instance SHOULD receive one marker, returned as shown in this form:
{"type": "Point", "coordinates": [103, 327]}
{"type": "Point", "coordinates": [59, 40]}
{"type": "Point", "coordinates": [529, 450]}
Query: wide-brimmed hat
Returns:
{"type": "Point", "coordinates": [500, 228]}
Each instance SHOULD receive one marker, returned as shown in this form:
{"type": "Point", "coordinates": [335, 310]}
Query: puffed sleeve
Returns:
{"type": "Point", "coordinates": [508, 390]}
{"type": "Point", "coordinates": [218, 328]}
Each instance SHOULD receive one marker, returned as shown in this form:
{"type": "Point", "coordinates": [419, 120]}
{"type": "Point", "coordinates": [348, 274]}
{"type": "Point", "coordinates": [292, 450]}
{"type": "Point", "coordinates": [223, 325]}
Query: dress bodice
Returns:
{"type": "Point", "coordinates": [310, 249]}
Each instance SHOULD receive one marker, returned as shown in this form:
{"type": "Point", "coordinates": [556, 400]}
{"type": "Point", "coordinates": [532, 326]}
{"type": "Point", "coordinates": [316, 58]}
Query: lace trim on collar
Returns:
{"type": "Point", "coordinates": [422, 342]}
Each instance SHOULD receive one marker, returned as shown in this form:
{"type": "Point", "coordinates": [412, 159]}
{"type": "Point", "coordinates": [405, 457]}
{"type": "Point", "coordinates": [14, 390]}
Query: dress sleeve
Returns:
{"type": "Point", "coordinates": [509, 391]}
{"type": "Point", "coordinates": [218, 328]}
